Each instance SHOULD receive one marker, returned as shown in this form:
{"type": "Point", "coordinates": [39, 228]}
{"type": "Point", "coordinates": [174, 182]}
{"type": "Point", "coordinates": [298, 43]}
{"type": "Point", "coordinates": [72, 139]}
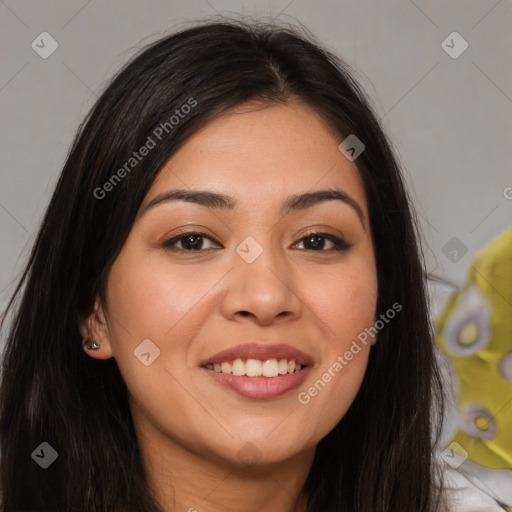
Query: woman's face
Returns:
{"type": "Point", "coordinates": [252, 293]}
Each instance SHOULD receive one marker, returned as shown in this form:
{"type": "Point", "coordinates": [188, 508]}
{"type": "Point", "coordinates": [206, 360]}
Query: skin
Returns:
{"type": "Point", "coordinates": [191, 305]}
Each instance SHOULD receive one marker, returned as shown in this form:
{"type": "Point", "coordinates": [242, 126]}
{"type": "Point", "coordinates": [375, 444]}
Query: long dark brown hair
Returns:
{"type": "Point", "coordinates": [378, 458]}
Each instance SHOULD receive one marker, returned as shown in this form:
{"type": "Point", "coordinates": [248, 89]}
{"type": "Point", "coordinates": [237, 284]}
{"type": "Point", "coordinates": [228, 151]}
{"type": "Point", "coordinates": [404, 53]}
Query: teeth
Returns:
{"type": "Point", "coordinates": [238, 367]}
{"type": "Point", "coordinates": [271, 368]}
{"type": "Point", "coordinates": [256, 368]}
{"type": "Point", "coordinates": [253, 368]}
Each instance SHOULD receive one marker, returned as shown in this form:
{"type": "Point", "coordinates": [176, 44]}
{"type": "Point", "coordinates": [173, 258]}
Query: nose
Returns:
{"type": "Point", "coordinates": [265, 289]}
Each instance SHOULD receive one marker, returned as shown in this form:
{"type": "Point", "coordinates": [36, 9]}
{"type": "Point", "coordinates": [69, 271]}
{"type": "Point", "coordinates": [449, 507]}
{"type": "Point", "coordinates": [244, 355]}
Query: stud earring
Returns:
{"type": "Point", "coordinates": [91, 346]}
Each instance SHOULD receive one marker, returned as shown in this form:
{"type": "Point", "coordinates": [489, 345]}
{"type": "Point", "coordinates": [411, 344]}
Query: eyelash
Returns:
{"type": "Point", "coordinates": [340, 245]}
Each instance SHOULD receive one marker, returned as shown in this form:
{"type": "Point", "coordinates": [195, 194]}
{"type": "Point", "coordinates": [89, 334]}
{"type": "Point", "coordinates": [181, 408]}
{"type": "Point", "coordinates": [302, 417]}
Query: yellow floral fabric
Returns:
{"type": "Point", "coordinates": [475, 331]}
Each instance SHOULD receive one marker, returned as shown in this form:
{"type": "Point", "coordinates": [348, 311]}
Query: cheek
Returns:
{"type": "Point", "coordinates": [149, 299]}
{"type": "Point", "coordinates": [346, 302]}
{"type": "Point", "coordinates": [337, 381]}
{"type": "Point", "coordinates": [146, 302]}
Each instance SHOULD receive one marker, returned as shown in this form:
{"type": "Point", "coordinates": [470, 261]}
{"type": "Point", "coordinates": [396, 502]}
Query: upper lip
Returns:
{"type": "Point", "coordinates": [259, 351]}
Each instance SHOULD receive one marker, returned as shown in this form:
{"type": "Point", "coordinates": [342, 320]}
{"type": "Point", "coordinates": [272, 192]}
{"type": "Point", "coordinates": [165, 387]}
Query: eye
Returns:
{"type": "Point", "coordinates": [317, 239]}
{"type": "Point", "coordinates": [194, 241]}
{"type": "Point", "coordinates": [191, 241]}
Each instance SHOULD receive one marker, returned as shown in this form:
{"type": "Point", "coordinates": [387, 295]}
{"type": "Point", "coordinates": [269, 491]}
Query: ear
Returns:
{"type": "Point", "coordinates": [94, 327]}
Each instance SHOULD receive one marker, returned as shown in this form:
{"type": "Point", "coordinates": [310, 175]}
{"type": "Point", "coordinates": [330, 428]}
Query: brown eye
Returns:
{"type": "Point", "coordinates": [190, 241]}
{"type": "Point", "coordinates": [315, 241]}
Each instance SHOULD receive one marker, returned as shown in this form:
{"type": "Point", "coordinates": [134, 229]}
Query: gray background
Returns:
{"type": "Point", "coordinates": [449, 118]}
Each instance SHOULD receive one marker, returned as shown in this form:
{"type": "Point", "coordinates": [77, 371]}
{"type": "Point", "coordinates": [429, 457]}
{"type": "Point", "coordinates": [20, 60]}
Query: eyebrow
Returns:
{"type": "Point", "coordinates": [217, 200]}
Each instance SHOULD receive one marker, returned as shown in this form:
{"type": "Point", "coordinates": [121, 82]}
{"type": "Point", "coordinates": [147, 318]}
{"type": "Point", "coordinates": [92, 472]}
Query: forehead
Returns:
{"type": "Point", "coordinates": [259, 154]}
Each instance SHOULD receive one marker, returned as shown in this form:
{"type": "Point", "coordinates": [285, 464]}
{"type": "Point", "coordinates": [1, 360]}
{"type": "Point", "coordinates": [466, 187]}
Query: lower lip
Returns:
{"type": "Point", "coordinates": [262, 388]}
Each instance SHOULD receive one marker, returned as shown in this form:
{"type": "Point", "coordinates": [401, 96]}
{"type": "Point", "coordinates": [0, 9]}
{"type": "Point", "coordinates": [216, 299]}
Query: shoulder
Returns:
{"type": "Point", "coordinates": [469, 487]}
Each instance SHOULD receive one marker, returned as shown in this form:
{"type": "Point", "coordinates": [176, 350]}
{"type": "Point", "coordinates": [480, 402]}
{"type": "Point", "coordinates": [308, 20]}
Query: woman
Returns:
{"type": "Point", "coordinates": [224, 308]}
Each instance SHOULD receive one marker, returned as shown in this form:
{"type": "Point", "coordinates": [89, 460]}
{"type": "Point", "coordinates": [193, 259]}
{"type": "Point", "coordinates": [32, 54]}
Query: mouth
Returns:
{"type": "Point", "coordinates": [258, 371]}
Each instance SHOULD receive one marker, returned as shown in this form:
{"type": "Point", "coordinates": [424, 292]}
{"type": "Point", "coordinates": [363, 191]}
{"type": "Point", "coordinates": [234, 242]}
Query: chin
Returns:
{"type": "Point", "coordinates": [260, 452]}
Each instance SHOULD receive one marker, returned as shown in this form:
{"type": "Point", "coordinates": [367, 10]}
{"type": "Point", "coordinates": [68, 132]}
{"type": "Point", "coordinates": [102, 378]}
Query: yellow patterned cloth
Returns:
{"type": "Point", "coordinates": [474, 331]}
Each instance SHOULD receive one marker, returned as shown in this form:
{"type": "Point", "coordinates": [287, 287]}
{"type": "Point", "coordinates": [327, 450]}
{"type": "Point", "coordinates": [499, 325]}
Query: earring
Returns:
{"type": "Point", "coordinates": [91, 346]}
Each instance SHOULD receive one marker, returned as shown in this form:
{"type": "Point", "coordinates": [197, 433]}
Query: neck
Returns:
{"type": "Point", "coordinates": [184, 480]}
